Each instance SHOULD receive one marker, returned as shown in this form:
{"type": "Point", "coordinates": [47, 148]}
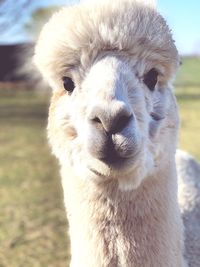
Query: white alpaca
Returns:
{"type": "Point", "coordinates": [189, 199]}
{"type": "Point", "coordinates": [113, 125]}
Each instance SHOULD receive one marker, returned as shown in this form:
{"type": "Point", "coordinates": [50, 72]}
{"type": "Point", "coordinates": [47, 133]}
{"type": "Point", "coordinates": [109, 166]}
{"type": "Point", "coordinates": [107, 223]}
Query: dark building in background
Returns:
{"type": "Point", "coordinates": [12, 62]}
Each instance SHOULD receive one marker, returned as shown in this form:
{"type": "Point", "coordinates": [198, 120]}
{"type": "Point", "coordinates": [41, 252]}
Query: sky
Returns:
{"type": "Point", "coordinates": [183, 17]}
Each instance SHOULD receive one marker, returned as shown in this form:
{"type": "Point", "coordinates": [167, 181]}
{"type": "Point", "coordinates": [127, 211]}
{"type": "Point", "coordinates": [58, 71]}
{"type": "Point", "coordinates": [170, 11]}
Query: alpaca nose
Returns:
{"type": "Point", "coordinates": [112, 121]}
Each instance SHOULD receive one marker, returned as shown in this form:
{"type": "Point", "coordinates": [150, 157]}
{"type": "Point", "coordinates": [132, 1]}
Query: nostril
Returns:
{"type": "Point", "coordinates": [121, 123]}
{"type": "Point", "coordinates": [110, 120]}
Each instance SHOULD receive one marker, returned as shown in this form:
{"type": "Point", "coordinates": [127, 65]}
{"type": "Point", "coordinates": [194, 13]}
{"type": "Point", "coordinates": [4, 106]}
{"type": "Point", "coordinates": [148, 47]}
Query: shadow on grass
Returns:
{"type": "Point", "coordinates": [188, 96]}
{"type": "Point", "coordinates": [11, 112]}
{"type": "Point", "coordinates": [187, 84]}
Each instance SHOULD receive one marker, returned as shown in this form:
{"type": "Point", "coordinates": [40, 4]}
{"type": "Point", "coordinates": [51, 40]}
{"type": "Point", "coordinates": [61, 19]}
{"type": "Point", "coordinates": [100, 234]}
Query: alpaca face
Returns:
{"type": "Point", "coordinates": [113, 125]}
{"type": "Point", "coordinates": [114, 114]}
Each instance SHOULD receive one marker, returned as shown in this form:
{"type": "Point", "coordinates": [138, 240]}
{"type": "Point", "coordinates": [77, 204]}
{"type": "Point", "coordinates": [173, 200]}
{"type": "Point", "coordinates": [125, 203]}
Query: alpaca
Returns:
{"type": "Point", "coordinates": [189, 199]}
{"type": "Point", "coordinates": [113, 124]}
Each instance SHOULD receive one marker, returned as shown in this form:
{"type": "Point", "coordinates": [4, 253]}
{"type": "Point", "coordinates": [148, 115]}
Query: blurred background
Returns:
{"type": "Point", "coordinates": [33, 227]}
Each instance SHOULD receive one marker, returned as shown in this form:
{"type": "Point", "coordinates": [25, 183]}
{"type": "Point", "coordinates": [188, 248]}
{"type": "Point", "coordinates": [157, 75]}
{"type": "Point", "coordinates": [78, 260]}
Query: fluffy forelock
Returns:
{"type": "Point", "coordinates": [76, 35]}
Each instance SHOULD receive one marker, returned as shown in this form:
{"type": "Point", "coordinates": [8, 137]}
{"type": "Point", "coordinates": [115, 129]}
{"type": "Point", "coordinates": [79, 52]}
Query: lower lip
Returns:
{"type": "Point", "coordinates": [114, 161]}
{"type": "Point", "coordinates": [111, 165]}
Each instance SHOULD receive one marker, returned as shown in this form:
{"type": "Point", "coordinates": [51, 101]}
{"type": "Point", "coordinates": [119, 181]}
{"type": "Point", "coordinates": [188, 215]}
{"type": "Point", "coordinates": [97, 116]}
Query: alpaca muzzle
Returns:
{"type": "Point", "coordinates": [111, 121]}
{"type": "Point", "coordinates": [113, 129]}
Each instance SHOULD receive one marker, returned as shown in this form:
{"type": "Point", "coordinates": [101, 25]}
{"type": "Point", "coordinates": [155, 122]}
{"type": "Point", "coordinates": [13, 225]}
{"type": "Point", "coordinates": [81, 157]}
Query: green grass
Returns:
{"type": "Point", "coordinates": [33, 228]}
{"type": "Point", "coordinates": [188, 74]}
{"type": "Point", "coordinates": [188, 96]}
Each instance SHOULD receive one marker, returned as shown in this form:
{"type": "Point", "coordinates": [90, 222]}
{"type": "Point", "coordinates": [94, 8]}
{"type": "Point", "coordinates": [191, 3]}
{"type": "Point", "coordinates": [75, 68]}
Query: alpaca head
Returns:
{"type": "Point", "coordinates": [113, 114]}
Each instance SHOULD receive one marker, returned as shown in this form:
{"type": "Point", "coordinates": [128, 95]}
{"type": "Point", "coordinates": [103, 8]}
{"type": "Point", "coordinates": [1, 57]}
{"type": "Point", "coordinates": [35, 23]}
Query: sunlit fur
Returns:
{"type": "Point", "coordinates": [189, 199]}
{"type": "Point", "coordinates": [123, 214]}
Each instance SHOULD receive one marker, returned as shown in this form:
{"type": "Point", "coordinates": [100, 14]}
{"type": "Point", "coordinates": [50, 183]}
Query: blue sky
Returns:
{"type": "Point", "coordinates": [183, 17]}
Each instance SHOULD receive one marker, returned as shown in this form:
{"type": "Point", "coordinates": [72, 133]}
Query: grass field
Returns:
{"type": "Point", "coordinates": [32, 220]}
{"type": "Point", "coordinates": [188, 95]}
{"type": "Point", "coordinates": [33, 228]}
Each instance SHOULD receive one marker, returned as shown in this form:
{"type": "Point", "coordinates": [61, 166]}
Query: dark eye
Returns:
{"type": "Point", "coordinates": [68, 84]}
{"type": "Point", "coordinates": [151, 78]}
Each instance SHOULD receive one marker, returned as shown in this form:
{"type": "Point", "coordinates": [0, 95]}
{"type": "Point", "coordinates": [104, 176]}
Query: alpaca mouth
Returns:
{"type": "Point", "coordinates": [113, 153]}
{"type": "Point", "coordinates": [97, 173]}
{"type": "Point", "coordinates": [113, 158]}
{"type": "Point", "coordinates": [113, 166]}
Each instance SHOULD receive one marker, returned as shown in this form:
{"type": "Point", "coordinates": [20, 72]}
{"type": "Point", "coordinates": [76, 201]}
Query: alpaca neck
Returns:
{"type": "Point", "coordinates": [113, 228]}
